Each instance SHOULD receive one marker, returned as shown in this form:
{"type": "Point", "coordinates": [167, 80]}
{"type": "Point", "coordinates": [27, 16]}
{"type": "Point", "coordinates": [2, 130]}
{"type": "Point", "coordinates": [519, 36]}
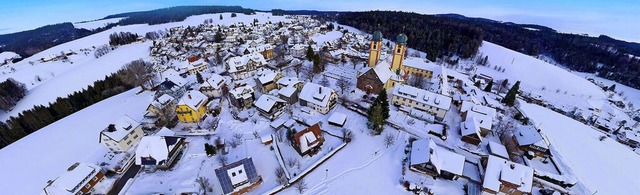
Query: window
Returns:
{"type": "Point", "coordinates": [374, 46]}
{"type": "Point", "coordinates": [87, 186]}
{"type": "Point", "coordinates": [135, 137]}
{"type": "Point", "coordinates": [129, 142]}
{"type": "Point", "coordinates": [398, 50]}
{"type": "Point", "coordinates": [511, 191]}
{"type": "Point", "coordinates": [95, 179]}
{"type": "Point", "coordinates": [240, 171]}
{"type": "Point", "coordinates": [233, 174]}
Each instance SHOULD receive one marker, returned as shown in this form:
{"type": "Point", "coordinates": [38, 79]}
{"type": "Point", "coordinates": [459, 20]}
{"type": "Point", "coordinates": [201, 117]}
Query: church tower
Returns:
{"type": "Point", "coordinates": [398, 52]}
{"type": "Point", "coordinates": [375, 49]}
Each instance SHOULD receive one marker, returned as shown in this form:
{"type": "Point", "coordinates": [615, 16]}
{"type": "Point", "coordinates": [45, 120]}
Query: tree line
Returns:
{"type": "Point", "coordinates": [174, 14]}
{"type": "Point", "coordinates": [11, 91]}
{"type": "Point", "coordinates": [40, 116]}
{"type": "Point", "coordinates": [122, 38]}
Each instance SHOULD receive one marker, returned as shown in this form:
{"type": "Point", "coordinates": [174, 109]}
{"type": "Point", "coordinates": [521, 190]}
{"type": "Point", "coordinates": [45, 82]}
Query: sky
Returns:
{"type": "Point", "coordinates": [618, 18]}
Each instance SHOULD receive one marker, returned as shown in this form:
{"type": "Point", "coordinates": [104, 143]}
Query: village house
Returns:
{"type": "Point", "coordinates": [159, 151]}
{"type": "Point", "coordinates": [157, 109]}
{"type": "Point", "coordinates": [213, 86]}
{"type": "Point", "coordinates": [172, 83]}
{"type": "Point", "coordinates": [266, 50]}
{"type": "Point", "coordinates": [308, 141]}
{"type": "Point", "coordinates": [498, 150]}
{"type": "Point", "coordinates": [267, 79]}
{"type": "Point", "coordinates": [436, 161]}
{"type": "Point", "coordinates": [298, 50]}
{"type": "Point", "coordinates": [192, 107]}
{"type": "Point", "coordinates": [289, 94]}
{"type": "Point", "coordinates": [505, 177]}
{"type": "Point", "coordinates": [470, 131]}
{"type": "Point", "coordinates": [321, 99]}
{"type": "Point", "coordinates": [630, 138]}
{"type": "Point", "coordinates": [420, 99]}
{"type": "Point", "coordinates": [483, 114]}
{"type": "Point", "coordinates": [122, 134]}
{"type": "Point", "coordinates": [241, 67]}
{"type": "Point", "coordinates": [337, 119]}
{"type": "Point", "coordinates": [270, 106]}
{"type": "Point", "coordinates": [80, 178]}
{"type": "Point", "coordinates": [290, 82]}
{"type": "Point", "coordinates": [242, 97]}
{"type": "Point", "coordinates": [238, 177]}
{"type": "Point", "coordinates": [528, 139]}
{"type": "Point", "coordinates": [192, 66]}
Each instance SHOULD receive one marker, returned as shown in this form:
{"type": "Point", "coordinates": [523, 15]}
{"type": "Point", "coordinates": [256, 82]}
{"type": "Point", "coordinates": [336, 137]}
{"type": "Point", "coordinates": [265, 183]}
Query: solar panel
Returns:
{"type": "Point", "coordinates": [225, 181]}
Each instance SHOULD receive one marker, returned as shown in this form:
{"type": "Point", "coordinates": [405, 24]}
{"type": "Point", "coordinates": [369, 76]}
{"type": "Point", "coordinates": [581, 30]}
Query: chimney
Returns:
{"type": "Point", "coordinates": [111, 128]}
{"type": "Point", "coordinates": [189, 96]}
{"type": "Point", "coordinates": [512, 166]}
{"type": "Point", "coordinates": [320, 90]}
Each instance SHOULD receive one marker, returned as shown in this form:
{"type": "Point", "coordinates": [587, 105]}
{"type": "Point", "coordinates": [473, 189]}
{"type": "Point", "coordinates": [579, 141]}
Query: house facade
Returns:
{"type": "Point", "coordinates": [270, 106]}
{"type": "Point", "coordinates": [192, 107]}
{"type": "Point", "coordinates": [213, 86]}
{"type": "Point", "coordinates": [122, 134]}
{"type": "Point", "coordinates": [159, 151]}
{"type": "Point", "coordinates": [267, 79]}
{"type": "Point", "coordinates": [319, 98]}
{"type": "Point", "coordinates": [420, 99]}
{"type": "Point", "coordinates": [428, 158]}
{"type": "Point", "coordinates": [529, 139]}
{"type": "Point", "coordinates": [241, 67]}
{"type": "Point", "coordinates": [80, 178]}
{"type": "Point", "coordinates": [242, 97]}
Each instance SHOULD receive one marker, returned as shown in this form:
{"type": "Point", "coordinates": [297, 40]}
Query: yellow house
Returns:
{"type": "Point", "coordinates": [192, 107]}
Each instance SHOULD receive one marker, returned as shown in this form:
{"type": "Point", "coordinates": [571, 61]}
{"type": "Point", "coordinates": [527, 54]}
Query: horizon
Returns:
{"type": "Point", "coordinates": [589, 17]}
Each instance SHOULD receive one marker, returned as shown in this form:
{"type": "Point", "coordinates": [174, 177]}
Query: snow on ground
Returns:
{"type": "Point", "coordinates": [320, 39]}
{"type": "Point", "coordinates": [45, 154]}
{"type": "Point", "coordinates": [592, 161]}
{"type": "Point", "coordinates": [7, 55]}
{"type": "Point", "coordinates": [535, 74]}
{"type": "Point", "coordinates": [632, 95]}
{"type": "Point", "coordinates": [60, 79]}
{"type": "Point", "coordinates": [92, 25]}
{"type": "Point", "coordinates": [364, 166]}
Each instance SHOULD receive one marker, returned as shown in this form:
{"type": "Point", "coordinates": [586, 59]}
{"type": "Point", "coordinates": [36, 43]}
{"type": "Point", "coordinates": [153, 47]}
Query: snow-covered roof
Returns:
{"type": "Point", "coordinates": [470, 126]}
{"type": "Point", "coordinates": [383, 70]}
{"type": "Point", "coordinates": [288, 81]}
{"type": "Point", "coordinates": [338, 118]}
{"type": "Point", "coordinates": [235, 173]}
{"type": "Point", "coordinates": [237, 63]}
{"type": "Point", "coordinates": [266, 102]}
{"type": "Point", "coordinates": [173, 76]}
{"type": "Point", "coordinates": [72, 181]}
{"type": "Point", "coordinates": [215, 81]}
{"type": "Point", "coordinates": [316, 94]}
{"type": "Point", "coordinates": [154, 150]}
{"type": "Point", "coordinates": [164, 131]}
{"type": "Point", "coordinates": [499, 169]}
{"type": "Point", "coordinates": [243, 92]}
{"type": "Point", "coordinates": [484, 121]}
{"type": "Point", "coordinates": [287, 91]}
{"type": "Point", "coordinates": [194, 99]}
{"type": "Point", "coordinates": [421, 64]}
{"type": "Point", "coordinates": [266, 76]}
{"type": "Point", "coordinates": [422, 96]}
{"type": "Point", "coordinates": [121, 128]}
{"type": "Point", "coordinates": [528, 135]}
{"type": "Point", "coordinates": [497, 150]}
{"type": "Point", "coordinates": [425, 150]}
{"type": "Point", "coordinates": [485, 110]}
{"type": "Point", "coordinates": [308, 138]}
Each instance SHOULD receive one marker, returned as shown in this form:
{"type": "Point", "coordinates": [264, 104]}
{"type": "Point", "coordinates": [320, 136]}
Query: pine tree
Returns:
{"type": "Point", "coordinates": [489, 86]}
{"type": "Point", "coordinates": [384, 101]}
{"type": "Point", "coordinates": [220, 16]}
{"type": "Point", "coordinates": [310, 53]}
{"type": "Point", "coordinates": [199, 78]}
{"type": "Point", "coordinates": [233, 15]}
{"type": "Point", "coordinates": [376, 119]}
{"type": "Point", "coordinates": [510, 98]}
{"type": "Point", "coordinates": [612, 88]}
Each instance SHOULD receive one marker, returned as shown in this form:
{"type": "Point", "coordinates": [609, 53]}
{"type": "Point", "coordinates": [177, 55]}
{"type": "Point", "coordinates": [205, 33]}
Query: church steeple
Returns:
{"type": "Point", "coordinates": [399, 51]}
{"type": "Point", "coordinates": [375, 48]}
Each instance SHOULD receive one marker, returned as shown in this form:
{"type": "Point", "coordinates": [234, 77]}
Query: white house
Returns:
{"type": "Point", "coordinates": [159, 151]}
{"type": "Point", "coordinates": [212, 87]}
{"type": "Point", "coordinates": [429, 158]}
{"type": "Point", "coordinates": [423, 100]}
{"type": "Point", "coordinates": [80, 178]}
{"type": "Point", "coordinates": [321, 99]}
{"type": "Point", "coordinates": [122, 134]}
{"type": "Point", "coordinates": [241, 67]}
{"type": "Point", "coordinates": [505, 177]}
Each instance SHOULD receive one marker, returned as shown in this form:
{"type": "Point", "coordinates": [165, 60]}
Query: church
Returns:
{"type": "Point", "coordinates": [380, 74]}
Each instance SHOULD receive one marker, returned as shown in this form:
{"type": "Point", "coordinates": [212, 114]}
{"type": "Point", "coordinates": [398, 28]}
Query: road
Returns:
{"type": "Point", "coordinates": [132, 172]}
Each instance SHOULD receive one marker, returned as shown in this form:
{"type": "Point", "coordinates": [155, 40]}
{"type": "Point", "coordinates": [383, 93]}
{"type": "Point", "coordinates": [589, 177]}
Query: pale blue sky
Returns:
{"type": "Point", "coordinates": [619, 18]}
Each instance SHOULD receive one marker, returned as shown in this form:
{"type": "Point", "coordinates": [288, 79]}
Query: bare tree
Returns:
{"type": "Point", "coordinates": [347, 136]}
{"type": "Point", "coordinates": [291, 162]}
{"type": "Point", "coordinates": [167, 114]}
{"type": "Point", "coordinates": [301, 185]}
{"type": "Point", "coordinates": [256, 135]}
{"type": "Point", "coordinates": [204, 184]}
{"type": "Point", "coordinates": [506, 123]}
{"type": "Point", "coordinates": [281, 178]}
{"type": "Point", "coordinates": [296, 69]}
{"type": "Point", "coordinates": [307, 74]}
{"type": "Point", "coordinates": [343, 83]}
{"type": "Point", "coordinates": [324, 81]}
{"type": "Point", "coordinates": [389, 140]}
{"type": "Point", "coordinates": [137, 73]}
{"type": "Point", "coordinates": [213, 123]}
{"type": "Point", "coordinates": [222, 159]}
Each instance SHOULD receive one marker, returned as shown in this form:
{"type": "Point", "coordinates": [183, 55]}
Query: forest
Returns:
{"type": "Point", "coordinates": [452, 34]}
{"type": "Point", "coordinates": [174, 14]}
{"type": "Point", "coordinates": [27, 43]}
{"type": "Point", "coordinates": [40, 116]}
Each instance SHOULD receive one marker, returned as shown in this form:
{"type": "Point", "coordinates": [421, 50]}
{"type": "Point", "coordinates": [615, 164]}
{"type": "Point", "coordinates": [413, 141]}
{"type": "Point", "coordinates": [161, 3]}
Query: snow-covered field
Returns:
{"type": "Point", "coordinates": [605, 167]}
{"type": "Point", "coordinates": [7, 54]}
{"type": "Point", "coordinates": [29, 163]}
{"type": "Point", "coordinates": [632, 95]}
{"type": "Point", "coordinates": [92, 25]}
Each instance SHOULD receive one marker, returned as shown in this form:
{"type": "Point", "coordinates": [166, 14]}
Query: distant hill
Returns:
{"type": "Point", "coordinates": [27, 43]}
{"type": "Point", "coordinates": [174, 14]}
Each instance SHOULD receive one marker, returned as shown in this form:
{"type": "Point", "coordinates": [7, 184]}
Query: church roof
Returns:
{"type": "Point", "coordinates": [402, 39]}
{"type": "Point", "coordinates": [377, 36]}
